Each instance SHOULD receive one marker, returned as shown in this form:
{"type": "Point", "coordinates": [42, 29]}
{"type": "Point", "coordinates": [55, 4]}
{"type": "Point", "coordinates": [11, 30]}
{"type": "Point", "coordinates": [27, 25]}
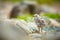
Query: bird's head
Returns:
{"type": "Point", "coordinates": [36, 15]}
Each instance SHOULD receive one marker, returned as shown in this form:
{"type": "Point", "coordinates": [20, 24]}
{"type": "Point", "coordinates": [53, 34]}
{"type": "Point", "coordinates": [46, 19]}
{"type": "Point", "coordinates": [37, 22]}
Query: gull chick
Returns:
{"type": "Point", "coordinates": [39, 22]}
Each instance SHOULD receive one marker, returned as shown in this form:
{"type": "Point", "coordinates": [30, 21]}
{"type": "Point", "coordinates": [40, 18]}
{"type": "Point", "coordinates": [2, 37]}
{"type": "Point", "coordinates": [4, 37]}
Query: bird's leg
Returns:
{"type": "Point", "coordinates": [41, 29]}
{"type": "Point", "coordinates": [38, 29]}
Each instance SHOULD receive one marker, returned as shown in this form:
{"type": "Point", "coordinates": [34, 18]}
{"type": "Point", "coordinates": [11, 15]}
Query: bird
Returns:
{"type": "Point", "coordinates": [39, 22]}
{"type": "Point", "coordinates": [43, 21]}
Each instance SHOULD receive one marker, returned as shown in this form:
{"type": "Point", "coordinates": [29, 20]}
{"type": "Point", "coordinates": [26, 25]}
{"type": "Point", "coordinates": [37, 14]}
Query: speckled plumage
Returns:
{"type": "Point", "coordinates": [39, 22]}
{"type": "Point", "coordinates": [42, 21]}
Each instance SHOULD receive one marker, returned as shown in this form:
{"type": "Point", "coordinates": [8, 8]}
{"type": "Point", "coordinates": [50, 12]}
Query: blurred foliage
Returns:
{"type": "Point", "coordinates": [11, 1]}
{"type": "Point", "coordinates": [51, 15]}
{"type": "Point", "coordinates": [28, 18]}
{"type": "Point", "coordinates": [39, 1]}
{"type": "Point", "coordinates": [44, 1]}
{"type": "Point", "coordinates": [48, 1]}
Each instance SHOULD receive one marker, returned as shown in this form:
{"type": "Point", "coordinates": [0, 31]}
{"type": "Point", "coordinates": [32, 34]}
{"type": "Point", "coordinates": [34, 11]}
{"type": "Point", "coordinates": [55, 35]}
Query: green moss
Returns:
{"type": "Point", "coordinates": [13, 1]}
{"type": "Point", "coordinates": [51, 15]}
{"type": "Point", "coordinates": [26, 18]}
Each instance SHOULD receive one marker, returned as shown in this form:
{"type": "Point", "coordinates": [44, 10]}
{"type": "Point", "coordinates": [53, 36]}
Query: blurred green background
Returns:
{"type": "Point", "coordinates": [40, 2]}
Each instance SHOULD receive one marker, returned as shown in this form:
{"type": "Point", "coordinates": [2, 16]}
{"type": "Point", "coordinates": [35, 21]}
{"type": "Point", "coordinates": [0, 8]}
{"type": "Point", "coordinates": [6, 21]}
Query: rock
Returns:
{"type": "Point", "coordinates": [10, 31]}
{"type": "Point", "coordinates": [36, 36]}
